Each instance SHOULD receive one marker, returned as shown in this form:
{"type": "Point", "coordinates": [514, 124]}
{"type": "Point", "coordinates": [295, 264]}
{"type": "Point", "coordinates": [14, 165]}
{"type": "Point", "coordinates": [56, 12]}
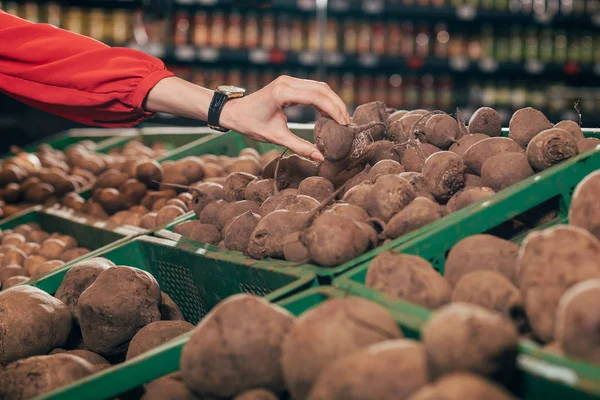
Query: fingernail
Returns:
{"type": "Point", "coordinates": [317, 156]}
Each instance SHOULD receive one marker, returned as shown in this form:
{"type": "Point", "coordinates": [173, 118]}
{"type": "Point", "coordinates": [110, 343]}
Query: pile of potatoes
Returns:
{"type": "Point", "coordinates": [549, 287]}
{"type": "Point", "coordinates": [43, 178]}
{"type": "Point", "coordinates": [101, 315]}
{"type": "Point", "coordinates": [28, 252]}
{"type": "Point", "coordinates": [146, 194]}
{"type": "Point", "coordinates": [344, 349]}
{"type": "Point", "coordinates": [387, 174]}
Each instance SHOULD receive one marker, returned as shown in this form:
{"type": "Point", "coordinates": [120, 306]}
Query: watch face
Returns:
{"type": "Point", "coordinates": [228, 89]}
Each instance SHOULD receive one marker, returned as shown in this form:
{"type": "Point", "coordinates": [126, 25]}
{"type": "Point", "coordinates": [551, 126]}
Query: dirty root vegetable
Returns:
{"type": "Point", "coordinates": [232, 210]}
{"type": "Point", "coordinates": [487, 121]}
{"type": "Point", "coordinates": [237, 234]}
{"type": "Point", "coordinates": [549, 263]}
{"type": "Point", "coordinates": [586, 144]}
{"type": "Point", "coordinates": [466, 197]}
{"type": "Point", "coordinates": [482, 252]}
{"type": "Point", "coordinates": [483, 150]}
{"type": "Point", "coordinates": [462, 145]}
{"type": "Point", "coordinates": [413, 157]}
{"type": "Point", "coordinates": [106, 325]}
{"type": "Point", "coordinates": [390, 370]}
{"type": "Point", "coordinates": [525, 124]}
{"type": "Point", "coordinates": [33, 323]}
{"type": "Point", "coordinates": [29, 378]}
{"type": "Point", "coordinates": [584, 211]}
{"type": "Point", "coordinates": [337, 142]}
{"type": "Point", "coordinates": [504, 170]}
{"type": "Point", "coordinates": [349, 211]}
{"type": "Point", "coordinates": [168, 387]}
{"type": "Point", "coordinates": [441, 130]}
{"type": "Point", "coordinates": [196, 230]}
{"type": "Point", "coordinates": [293, 170]}
{"type": "Point", "coordinates": [328, 332]}
{"type": "Point", "coordinates": [573, 128]}
{"type": "Point", "coordinates": [418, 184]}
{"type": "Point", "coordinates": [370, 112]}
{"type": "Point", "coordinates": [385, 167]}
{"type": "Point", "coordinates": [210, 213]}
{"type": "Point", "coordinates": [444, 175]}
{"type": "Point", "coordinates": [480, 341]}
{"type": "Point", "coordinates": [235, 185]}
{"type": "Point", "coordinates": [298, 203]}
{"type": "Point", "coordinates": [155, 334]}
{"type": "Point", "coordinates": [577, 321]}
{"type": "Point", "coordinates": [462, 386]}
{"type": "Point", "coordinates": [259, 190]}
{"type": "Point", "coordinates": [257, 394]}
{"type": "Point", "coordinates": [550, 147]}
{"type": "Point", "coordinates": [79, 278]}
{"type": "Point", "coordinates": [388, 195]}
{"type": "Point", "coordinates": [316, 187]}
{"type": "Point", "coordinates": [420, 212]}
{"type": "Point", "coordinates": [332, 240]}
{"type": "Point", "coordinates": [409, 278]}
{"type": "Point", "coordinates": [490, 290]}
{"type": "Point", "coordinates": [236, 347]}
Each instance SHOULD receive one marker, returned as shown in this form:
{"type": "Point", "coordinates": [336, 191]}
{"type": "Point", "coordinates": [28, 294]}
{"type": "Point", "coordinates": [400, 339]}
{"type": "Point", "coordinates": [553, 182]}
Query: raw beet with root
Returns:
{"type": "Point", "coordinates": [420, 212]}
{"type": "Point", "coordinates": [466, 197]}
{"type": "Point", "coordinates": [237, 234]}
{"type": "Point", "coordinates": [293, 170]}
{"type": "Point", "coordinates": [316, 187]}
{"type": "Point", "coordinates": [551, 147]}
{"type": "Point", "coordinates": [259, 190]}
{"type": "Point", "coordinates": [413, 157]}
{"type": "Point", "coordinates": [487, 121]}
{"type": "Point", "coordinates": [441, 130]}
{"type": "Point", "coordinates": [481, 151]}
{"type": "Point", "coordinates": [586, 144]}
{"type": "Point", "coordinates": [337, 142]}
{"type": "Point", "coordinates": [235, 185]}
{"type": "Point", "coordinates": [388, 196]}
{"type": "Point", "coordinates": [444, 175]}
{"type": "Point", "coordinates": [418, 184]}
{"type": "Point", "coordinates": [463, 144]}
{"type": "Point", "coordinates": [232, 210]}
{"type": "Point", "coordinates": [370, 112]}
{"type": "Point", "coordinates": [525, 124]}
{"type": "Point", "coordinates": [504, 170]}
{"type": "Point", "coordinates": [385, 167]}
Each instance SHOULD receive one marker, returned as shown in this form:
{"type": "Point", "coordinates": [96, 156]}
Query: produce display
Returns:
{"type": "Point", "coordinates": [385, 175]}
{"type": "Point", "coordinates": [101, 315]}
{"type": "Point", "coordinates": [548, 286]}
{"type": "Point", "coordinates": [28, 179]}
{"type": "Point", "coordinates": [28, 252]}
{"type": "Point", "coordinates": [146, 194]}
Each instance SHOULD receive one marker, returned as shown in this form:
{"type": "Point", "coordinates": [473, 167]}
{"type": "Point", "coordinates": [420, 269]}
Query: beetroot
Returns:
{"type": "Point", "coordinates": [444, 175]}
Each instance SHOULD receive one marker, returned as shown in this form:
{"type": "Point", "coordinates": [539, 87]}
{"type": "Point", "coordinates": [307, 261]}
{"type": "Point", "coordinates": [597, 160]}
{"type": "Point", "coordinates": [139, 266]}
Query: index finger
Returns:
{"type": "Point", "coordinates": [320, 96]}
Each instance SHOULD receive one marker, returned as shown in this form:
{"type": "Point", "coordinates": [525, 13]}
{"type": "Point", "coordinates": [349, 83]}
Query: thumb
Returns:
{"type": "Point", "coordinates": [299, 146]}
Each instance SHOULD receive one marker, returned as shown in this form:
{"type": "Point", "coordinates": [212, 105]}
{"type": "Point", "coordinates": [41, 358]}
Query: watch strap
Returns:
{"type": "Point", "coordinates": [215, 108]}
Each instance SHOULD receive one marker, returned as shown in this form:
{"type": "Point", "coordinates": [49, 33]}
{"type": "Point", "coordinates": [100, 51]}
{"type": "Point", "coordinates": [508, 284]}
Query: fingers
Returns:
{"type": "Point", "coordinates": [297, 145]}
{"type": "Point", "coordinates": [317, 94]}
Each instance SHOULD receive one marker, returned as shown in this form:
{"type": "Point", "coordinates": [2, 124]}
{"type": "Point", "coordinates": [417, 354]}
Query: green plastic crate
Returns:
{"type": "Point", "coordinates": [97, 236]}
{"type": "Point", "coordinates": [196, 284]}
{"type": "Point", "coordinates": [573, 379]}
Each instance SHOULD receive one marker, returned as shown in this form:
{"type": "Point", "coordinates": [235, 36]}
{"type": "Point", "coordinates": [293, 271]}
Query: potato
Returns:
{"type": "Point", "coordinates": [504, 170]}
{"type": "Point", "coordinates": [29, 248]}
{"type": "Point", "coordinates": [13, 238]}
{"type": "Point", "coordinates": [25, 379]}
{"type": "Point", "coordinates": [79, 278]}
{"type": "Point", "coordinates": [106, 325]}
{"type": "Point", "coordinates": [33, 262]}
{"type": "Point", "coordinates": [443, 175]}
{"type": "Point", "coordinates": [577, 321]}
{"type": "Point", "coordinates": [210, 213]}
{"type": "Point", "coordinates": [467, 196]}
{"type": "Point", "coordinates": [52, 248]}
{"type": "Point", "coordinates": [549, 263]}
{"type": "Point", "coordinates": [236, 347]}
{"type": "Point", "coordinates": [96, 210]}
{"type": "Point", "coordinates": [73, 254]}
{"type": "Point", "coordinates": [408, 277]}
{"type": "Point", "coordinates": [584, 211]}
{"type": "Point", "coordinates": [482, 252]}
{"type": "Point", "coordinates": [13, 281]}
{"type": "Point", "coordinates": [329, 332]}
{"type": "Point", "coordinates": [237, 234]}
{"type": "Point", "coordinates": [388, 195]}
{"type": "Point", "coordinates": [389, 370]}
{"type": "Point", "coordinates": [169, 387]}
{"type": "Point", "coordinates": [33, 323]}
{"type": "Point", "coordinates": [525, 124]}
{"type": "Point", "coordinates": [169, 310]}
{"type": "Point", "coordinates": [168, 214]}
{"type": "Point", "coordinates": [14, 257]}
{"type": "Point", "coordinates": [462, 386]}
{"type": "Point", "coordinates": [480, 341]}
{"type": "Point", "coordinates": [550, 147]}
{"type": "Point", "coordinates": [257, 394]}
{"type": "Point", "coordinates": [490, 290]}
{"type": "Point", "coordinates": [156, 334]}
{"type": "Point", "coordinates": [46, 267]}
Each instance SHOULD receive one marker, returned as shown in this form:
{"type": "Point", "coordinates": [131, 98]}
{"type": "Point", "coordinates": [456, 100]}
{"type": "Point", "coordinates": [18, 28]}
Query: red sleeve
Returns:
{"type": "Point", "coordinates": [74, 76]}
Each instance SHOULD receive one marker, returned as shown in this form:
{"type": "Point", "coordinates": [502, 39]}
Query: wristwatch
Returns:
{"type": "Point", "coordinates": [222, 94]}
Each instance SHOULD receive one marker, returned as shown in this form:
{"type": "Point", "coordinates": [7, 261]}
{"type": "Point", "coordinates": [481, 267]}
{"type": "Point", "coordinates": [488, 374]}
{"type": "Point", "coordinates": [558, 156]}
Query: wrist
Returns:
{"type": "Point", "coordinates": [230, 115]}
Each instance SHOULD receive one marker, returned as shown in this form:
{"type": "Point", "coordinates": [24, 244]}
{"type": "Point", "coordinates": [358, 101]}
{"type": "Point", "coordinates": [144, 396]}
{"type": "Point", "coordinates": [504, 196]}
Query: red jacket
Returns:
{"type": "Point", "coordinates": [74, 76]}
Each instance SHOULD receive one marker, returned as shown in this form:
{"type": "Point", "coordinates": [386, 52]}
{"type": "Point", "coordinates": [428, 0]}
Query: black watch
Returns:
{"type": "Point", "coordinates": [222, 94]}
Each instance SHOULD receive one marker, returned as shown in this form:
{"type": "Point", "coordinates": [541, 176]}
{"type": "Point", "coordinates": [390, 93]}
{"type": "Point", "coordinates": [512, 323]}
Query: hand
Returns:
{"type": "Point", "coordinates": [261, 117]}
